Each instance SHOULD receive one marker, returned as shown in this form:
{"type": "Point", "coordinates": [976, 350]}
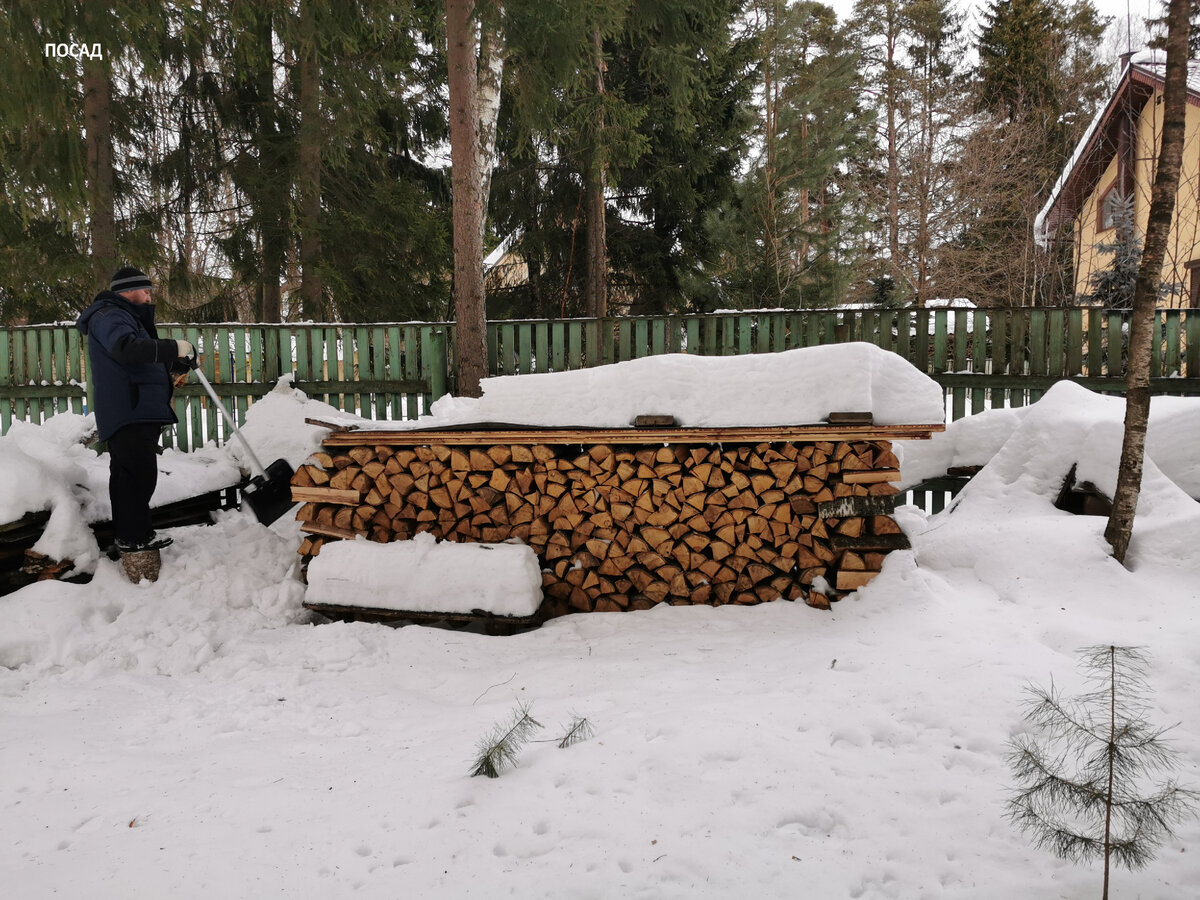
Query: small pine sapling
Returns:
{"type": "Point", "coordinates": [1084, 773]}
{"type": "Point", "coordinates": [578, 731]}
{"type": "Point", "coordinates": [500, 749]}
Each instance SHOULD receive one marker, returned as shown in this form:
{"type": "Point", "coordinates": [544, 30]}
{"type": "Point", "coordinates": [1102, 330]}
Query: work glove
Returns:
{"type": "Point", "coordinates": [187, 354]}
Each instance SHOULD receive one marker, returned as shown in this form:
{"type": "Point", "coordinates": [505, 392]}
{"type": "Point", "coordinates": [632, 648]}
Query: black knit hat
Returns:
{"type": "Point", "coordinates": [127, 278]}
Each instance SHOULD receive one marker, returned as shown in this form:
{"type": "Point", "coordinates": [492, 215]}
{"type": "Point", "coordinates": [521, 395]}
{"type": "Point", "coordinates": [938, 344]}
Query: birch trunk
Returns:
{"type": "Point", "coordinates": [1145, 296]}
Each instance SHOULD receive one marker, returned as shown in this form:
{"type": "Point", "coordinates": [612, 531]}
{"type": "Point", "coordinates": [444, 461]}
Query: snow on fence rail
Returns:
{"type": "Point", "coordinates": [983, 358]}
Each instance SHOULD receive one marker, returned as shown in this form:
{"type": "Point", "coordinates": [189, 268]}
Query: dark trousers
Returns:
{"type": "Point", "coordinates": [132, 475]}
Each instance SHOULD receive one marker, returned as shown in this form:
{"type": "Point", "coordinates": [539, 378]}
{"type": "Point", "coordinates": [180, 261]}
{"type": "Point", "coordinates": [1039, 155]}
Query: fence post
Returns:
{"type": "Point", "coordinates": [437, 364]}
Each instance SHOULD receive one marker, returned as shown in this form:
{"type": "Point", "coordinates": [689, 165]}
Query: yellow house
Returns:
{"type": "Point", "coordinates": [1115, 160]}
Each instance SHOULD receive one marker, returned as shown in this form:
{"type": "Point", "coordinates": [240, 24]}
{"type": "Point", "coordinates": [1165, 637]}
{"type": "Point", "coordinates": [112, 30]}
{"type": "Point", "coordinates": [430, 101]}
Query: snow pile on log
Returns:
{"type": "Point", "coordinates": [425, 575]}
{"type": "Point", "coordinates": [794, 387]}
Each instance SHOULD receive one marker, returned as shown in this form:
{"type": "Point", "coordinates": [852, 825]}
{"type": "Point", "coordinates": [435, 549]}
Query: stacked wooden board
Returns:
{"type": "Point", "coordinates": [628, 518]}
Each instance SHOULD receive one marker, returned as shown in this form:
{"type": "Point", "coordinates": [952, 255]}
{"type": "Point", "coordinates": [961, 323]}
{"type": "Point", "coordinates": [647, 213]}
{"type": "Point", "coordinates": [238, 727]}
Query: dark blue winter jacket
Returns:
{"type": "Point", "coordinates": [129, 364]}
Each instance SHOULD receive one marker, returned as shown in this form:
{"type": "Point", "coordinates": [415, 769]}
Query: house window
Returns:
{"type": "Point", "coordinates": [1109, 209]}
{"type": "Point", "coordinates": [1193, 297]}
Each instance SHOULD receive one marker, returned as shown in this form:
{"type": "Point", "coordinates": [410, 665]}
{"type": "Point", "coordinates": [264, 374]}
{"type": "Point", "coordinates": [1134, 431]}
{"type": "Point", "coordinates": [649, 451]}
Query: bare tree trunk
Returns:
{"type": "Point", "coordinates": [892, 88]}
{"type": "Point", "coordinates": [466, 181]}
{"type": "Point", "coordinates": [273, 251]}
{"type": "Point", "coordinates": [771, 239]}
{"type": "Point", "coordinates": [1145, 295]}
{"type": "Point", "coordinates": [491, 76]}
{"type": "Point", "coordinates": [97, 117]}
{"type": "Point", "coordinates": [308, 175]}
{"type": "Point", "coordinates": [596, 289]}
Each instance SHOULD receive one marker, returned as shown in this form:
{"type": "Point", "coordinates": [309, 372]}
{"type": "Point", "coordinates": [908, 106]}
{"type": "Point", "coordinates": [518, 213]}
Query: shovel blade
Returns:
{"type": "Point", "coordinates": [270, 495]}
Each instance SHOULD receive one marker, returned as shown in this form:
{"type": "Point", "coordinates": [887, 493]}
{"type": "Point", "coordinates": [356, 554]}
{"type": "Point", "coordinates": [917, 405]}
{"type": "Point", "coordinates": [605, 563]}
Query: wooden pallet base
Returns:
{"type": "Point", "coordinates": [491, 623]}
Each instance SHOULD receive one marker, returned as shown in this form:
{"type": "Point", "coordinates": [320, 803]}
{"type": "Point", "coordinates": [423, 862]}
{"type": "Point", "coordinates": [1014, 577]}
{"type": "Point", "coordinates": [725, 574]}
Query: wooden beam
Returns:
{"type": "Point", "coordinates": [511, 434]}
{"type": "Point", "coordinates": [329, 530]}
{"type": "Point", "coordinates": [326, 495]}
{"type": "Point", "coordinates": [853, 580]}
{"type": "Point", "coordinates": [871, 476]}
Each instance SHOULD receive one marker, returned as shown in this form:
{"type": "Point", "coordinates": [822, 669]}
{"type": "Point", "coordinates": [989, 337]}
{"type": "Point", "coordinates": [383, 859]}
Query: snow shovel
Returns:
{"type": "Point", "coordinates": [269, 492]}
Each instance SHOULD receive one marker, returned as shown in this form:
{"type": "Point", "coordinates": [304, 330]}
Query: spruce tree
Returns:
{"type": "Point", "coordinates": [1112, 287]}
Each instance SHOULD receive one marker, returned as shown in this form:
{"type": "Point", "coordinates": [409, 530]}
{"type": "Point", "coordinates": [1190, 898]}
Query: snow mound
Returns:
{"type": "Point", "coordinates": [425, 575]}
{"type": "Point", "coordinates": [1171, 439]}
{"type": "Point", "coordinates": [1072, 427]}
{"type": "Point", "coordinates": [790, 388]}
{"type": "Point", "coordinates": [218, 584]}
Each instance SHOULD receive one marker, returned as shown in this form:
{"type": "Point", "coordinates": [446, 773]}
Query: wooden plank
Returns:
{"type": "Point", "coordinates": [1056, 326]}
{"type": "Point", "coordinates": [1172, 324]}
{"type": "Point", "coordinates": [395, 370]}
{"type": "Point", "coordinates": [624, 342]}
{"type": "Point", "coordinates": [59, 350]}
{"type": "Point", "coordinates": [1156, 341]}
{"type": "Point", "coordinates": [870, 542]}
{"type": "Point", "coordinates": [75, 365]}
{"type": "Point", "coordinates": [328, 530]}
{"type": "Point", "coordinates": [922, 325]}
{"type": "Point", "coordinates": [541, 347]}
{"type": "Point", "coordinates": [33, 372]}
{"type": "Point", "coordinates": [692, 327]}
{"type": "Point", "coordinates": [20, 406]}
{"type": "Point", "coordinates": [501, 434]}
{"type": "Point", "coordinates": [575, 345]}
{"type": "Point", "coordinates": [326, 495]}
{"type": "Point", "coordinates": [1074, 337]}
{"type": "Point", "coordinates": [334, 358]}
{"type": "Point", "coordinates": [641, 339]}
{"type": "Point", "coordinates": [870, 327]}
{"type": "Point", "coordinates": [980, 397]}
{"type": "Point", "coordinates": [493, 346]}
{"type": "Point", "coordinates": [254, 338]}
{"type": "Point", "coordinates": [744, 326]}
{"type": "Point", "coordinates": [1114, 355]}
{"type": "Point", "coordinates": [1094, 353]}
{"type": "Point", "coordinates": [848, 580]}
{"type": "Point", "coordinates": [524, 348]}
{"type": "Point", "coordinates": [850, 418]}
{"type": "Point", "coordinates": [195, 408]}
{"type": "Point", "coordinates": [558, 345]}
{"type": "Point", "coordinates": [658, 336]}
{"type": "Point", "coordinates": [940, 350]}
{"type": "Point", "coordinates": [961, 339]}
{"type": "Point", "coordinates": [358, 366]}
{"type": "Point", "coordinates": [412, 371]}
{"type": "Point", "coordinates": [904, 336]}
{"type": "Point", "coordinates": [1191, 336]}
{"type": "Point", "coordinates": [593, 336]}
{"type": "Point", "coordinates": [871, 476]}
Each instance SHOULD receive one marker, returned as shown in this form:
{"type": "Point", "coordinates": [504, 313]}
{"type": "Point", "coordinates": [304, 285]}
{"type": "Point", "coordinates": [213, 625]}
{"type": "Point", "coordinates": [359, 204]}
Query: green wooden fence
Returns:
{"type": "Point", "coordinates": [984, 358]}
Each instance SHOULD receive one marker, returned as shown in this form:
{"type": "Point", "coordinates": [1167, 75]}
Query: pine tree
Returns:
{"type": "Point", "coordinates": [793, 236]}
{"type": "Point", "coordinates": [1082, 771]}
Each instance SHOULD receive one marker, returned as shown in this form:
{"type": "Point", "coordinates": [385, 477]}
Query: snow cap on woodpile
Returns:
{"type": "Point", "coordinates": [795, 387]}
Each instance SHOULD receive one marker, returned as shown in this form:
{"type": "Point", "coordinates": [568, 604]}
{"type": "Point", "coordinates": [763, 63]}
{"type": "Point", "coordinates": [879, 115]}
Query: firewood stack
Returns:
{"type": "Point", "coordinates": [626, 526]}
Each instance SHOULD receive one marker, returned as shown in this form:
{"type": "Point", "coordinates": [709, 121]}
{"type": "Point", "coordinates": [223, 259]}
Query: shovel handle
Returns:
{"type": "Point", "coordinates": [255, 466]}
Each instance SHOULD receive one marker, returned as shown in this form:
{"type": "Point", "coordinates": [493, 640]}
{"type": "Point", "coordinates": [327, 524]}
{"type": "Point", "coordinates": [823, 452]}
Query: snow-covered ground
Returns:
{"type": "Point", "coordinates": [200, 737]}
